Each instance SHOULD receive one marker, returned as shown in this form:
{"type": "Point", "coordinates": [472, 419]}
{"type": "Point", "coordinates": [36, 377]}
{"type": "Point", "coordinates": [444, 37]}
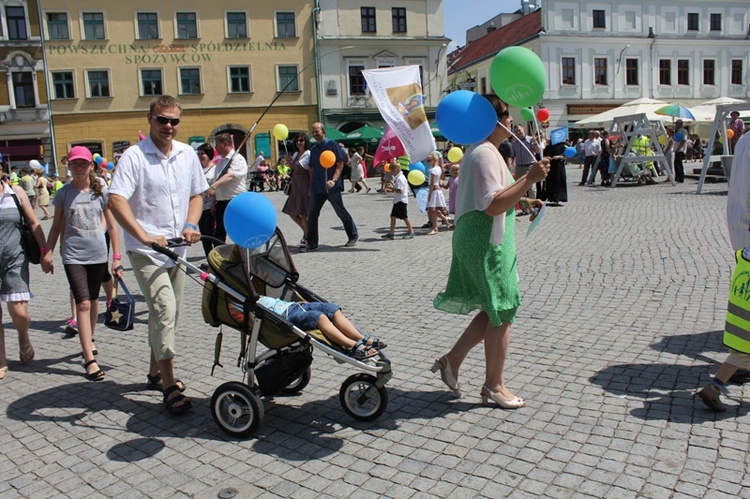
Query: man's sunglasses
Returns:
{"type": "Point", "coordinates": [163, 120]}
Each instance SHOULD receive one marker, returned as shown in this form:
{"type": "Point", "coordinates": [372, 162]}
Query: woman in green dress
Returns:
{"type": "Point", "coordinates": [483, 271]}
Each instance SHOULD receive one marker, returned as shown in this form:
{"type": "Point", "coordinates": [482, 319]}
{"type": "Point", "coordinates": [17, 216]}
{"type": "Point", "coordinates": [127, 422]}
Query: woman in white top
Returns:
{"type": "Point", "coordinates": [436, 206]}
{"type": "Point", "coordinates": [356, 162]}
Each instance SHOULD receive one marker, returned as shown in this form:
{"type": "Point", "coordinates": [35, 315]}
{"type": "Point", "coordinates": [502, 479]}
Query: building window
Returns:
{"type": "Point", "coordinates": [98, 84]}
{"type": "Point", "coordinates": [665, 72]}
{"type": "Point", "coordinates": [599, 19]}
{"type": "Point", "coordinates": [62, 85]}
{"type": "Point", "coordinates": [356, 80]}
{"type": "Point", "coordinates": [692, 21]}
{"type": "Point", "coordinates": [151, 82]}
{"type": "Point", "coordinates": [187, 25]}
{"type": "Point", "coordinates": [236, 25]}
{"type": "Point", "coordinates": [288, 76]}
{"type": "Point", "coordinates": [683, 72]}
{"type": "Point", "coordinates": [148, 26]}
{"type": "Point", "coordinates": [631, 72]}
{"type": "Point", "coordinates": [709, 72]}
{"type": "Point", "coordinates": [57, 26]}
{"type": "Point", "coordinates": [715, 22]}
{"type": "Point", "coordinates": [567, 19]}
{"type": "Point", "coordinates": [630, 19]}
{"type": "Point", "coordinates": [23, 89]}
{"type": "Point", "coordinates": [368, 19]}
{"type": "Point", "coordinates": [285, 25]}
{"type": "Point", "coordinates": [93, 26]}
{"type": "Point", "coordinates": [190, 81]}
{"type": "Point", "coordinates": [239, 79]}
{"type": "Point", "coordinates": [15, 16]}
{"type": "Point", "coordinates": [736, 76]}
{"type": "Point", "coordinates": [399, 19]}
{"type": "Point", "coordinates": [600, 71]}
{"type": "Point", "coordinates": [568, 71]}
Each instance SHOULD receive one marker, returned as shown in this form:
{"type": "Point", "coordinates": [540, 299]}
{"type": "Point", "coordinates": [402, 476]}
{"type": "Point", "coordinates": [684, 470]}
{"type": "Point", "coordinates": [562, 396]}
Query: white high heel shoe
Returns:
{"type": "Point", "coordinates": [515, 403]}
{"type": "Point", "coordinates": [446, 374]}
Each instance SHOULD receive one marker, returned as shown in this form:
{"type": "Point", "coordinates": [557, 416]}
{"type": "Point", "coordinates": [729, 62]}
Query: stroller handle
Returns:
{"type": "Point", "coordinates": [180, 241]}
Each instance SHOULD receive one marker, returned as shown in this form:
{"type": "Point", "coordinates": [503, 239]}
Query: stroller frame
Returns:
{"type": "Point", "coordinates": [236, 406]}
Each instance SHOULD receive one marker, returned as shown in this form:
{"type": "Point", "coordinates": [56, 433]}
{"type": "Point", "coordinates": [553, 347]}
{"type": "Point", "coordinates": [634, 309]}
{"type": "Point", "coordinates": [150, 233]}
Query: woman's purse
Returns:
{"type": "Point", "coordinates": [30, 246]}
{"type": "Point", "coordinates": [120, 313]}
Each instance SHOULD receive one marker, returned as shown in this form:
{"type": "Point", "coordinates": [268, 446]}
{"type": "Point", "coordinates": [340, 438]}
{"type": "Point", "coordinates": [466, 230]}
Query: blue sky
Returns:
{"type": "Point", "coordinates": [461, 15]}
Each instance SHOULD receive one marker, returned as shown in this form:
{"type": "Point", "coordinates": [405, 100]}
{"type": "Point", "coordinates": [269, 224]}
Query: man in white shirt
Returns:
{"type": "Point", "coordinates": [680, 149]}
{"type": "Point", "coordinates": [230, 179]}
{"type": "Point", "coordinates": [738, 199]}
{"type": "Point", "coordinates": [156, 195]}
{"type": "Point", "coordinates": [592, 148]}
{"type": "Point", "coordinates": [258, 160]}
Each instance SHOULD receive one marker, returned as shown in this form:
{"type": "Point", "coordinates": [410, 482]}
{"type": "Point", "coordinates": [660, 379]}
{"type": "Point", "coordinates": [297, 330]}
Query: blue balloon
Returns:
{"type": "Point", "coordinates": [465, 117]}
{"type": "Point", "coordinates": [678, 137]}
{"type": "Point", "coordinates": [98, 160]}
{"type": "Point", "coordinates": [417, 166]}
{"type": "Point", "coordinates": [570, 152]}
{"type": "Point", "coordinates": [250, 219]}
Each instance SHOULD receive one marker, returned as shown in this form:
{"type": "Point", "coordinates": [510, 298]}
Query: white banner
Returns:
{"type": "Point", "coordinates": [398, 95]}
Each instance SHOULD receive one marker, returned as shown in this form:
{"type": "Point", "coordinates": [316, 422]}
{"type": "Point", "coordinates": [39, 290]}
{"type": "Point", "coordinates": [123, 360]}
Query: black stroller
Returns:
{"type": "Point", "coordinates": [233, 280]}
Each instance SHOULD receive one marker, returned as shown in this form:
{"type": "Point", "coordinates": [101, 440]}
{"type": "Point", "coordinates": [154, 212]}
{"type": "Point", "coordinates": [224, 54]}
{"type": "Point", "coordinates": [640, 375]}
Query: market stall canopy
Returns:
{"type": "Point", "coordinates": [436, 132]}
{"type": "Point", "coordinates": [363, 135]}
{"type": "Point", "coordinates": [707, 110]}
{"type": "Point", "coordinates": [638, 106]}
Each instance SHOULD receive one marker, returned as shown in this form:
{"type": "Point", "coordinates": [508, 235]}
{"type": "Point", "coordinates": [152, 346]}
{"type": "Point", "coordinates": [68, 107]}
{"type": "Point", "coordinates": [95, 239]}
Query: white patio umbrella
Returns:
{"type": "Point", "coordinates": [638, 106]}
{"type": "Point", "coordinates": [706, 111]}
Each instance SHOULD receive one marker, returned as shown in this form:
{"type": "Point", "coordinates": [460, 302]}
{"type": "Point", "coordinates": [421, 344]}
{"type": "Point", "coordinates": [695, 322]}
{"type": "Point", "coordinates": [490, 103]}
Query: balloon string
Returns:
{"type": "Point", "coordinates": [520, 141]}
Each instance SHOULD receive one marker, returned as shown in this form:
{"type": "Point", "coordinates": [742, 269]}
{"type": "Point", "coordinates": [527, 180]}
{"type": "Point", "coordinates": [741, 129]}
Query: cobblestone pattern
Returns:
{"type": "Point", "coordinates": [624, 294]}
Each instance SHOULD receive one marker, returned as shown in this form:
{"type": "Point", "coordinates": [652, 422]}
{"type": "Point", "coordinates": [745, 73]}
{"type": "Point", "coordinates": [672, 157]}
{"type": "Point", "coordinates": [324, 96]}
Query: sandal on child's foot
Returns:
{"type": "Point", "coordinates": [375, 343]}
{"type": "Point", "coordinates": [95, 376]}
{"type": "Point", "coordinates": [360, 351]}
{"type": "Point", "coordinates": [26, 353]}
{"type": "Point", "coordinates": [155, 383]}
{"type": "Point", "coordinates": [177, 404]}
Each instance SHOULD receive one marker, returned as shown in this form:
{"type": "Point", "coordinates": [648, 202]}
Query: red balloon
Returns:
{"type": "Point", "coordinates": [543, 114]}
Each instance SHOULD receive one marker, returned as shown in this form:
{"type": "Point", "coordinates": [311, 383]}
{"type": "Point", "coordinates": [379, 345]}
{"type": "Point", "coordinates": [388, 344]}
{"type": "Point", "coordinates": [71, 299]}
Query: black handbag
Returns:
{"type": "Point", "coordinates": [30, 246]}
{"type": "Point", "coordinates": [121, 313]}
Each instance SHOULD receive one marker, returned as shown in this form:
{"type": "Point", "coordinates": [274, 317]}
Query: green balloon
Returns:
{"type": "Point", "coordinates": [527, 114]}
{"type": "Point", "coordinates": [518, 76]}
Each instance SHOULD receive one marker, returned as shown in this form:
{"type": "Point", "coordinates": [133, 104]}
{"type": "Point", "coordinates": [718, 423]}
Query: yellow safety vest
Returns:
{"type": "Point", "coordinates": [737, 327]}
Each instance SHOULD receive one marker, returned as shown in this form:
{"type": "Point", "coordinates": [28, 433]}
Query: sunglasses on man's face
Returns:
{"type": "Point", "coordinates": [163, 120]}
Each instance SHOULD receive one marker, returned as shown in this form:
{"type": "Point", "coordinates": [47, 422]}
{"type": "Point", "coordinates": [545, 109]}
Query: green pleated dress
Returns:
{"type": "Point", "coordinates": [482, 276]}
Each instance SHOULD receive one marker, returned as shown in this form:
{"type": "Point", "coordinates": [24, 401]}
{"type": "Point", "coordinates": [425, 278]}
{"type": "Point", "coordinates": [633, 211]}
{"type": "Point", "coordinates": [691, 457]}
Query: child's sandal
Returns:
{"type": "Point", "coordinates": [376, 343]}
{"type": "Point", "coordinates": [360, 351]}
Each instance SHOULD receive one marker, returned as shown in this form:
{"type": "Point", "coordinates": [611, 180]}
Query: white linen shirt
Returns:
{"type": "Point", "coordinates": [238, 185]}
{"type": "Point", "coordinates": [158, 190]}
{"type": "Point", "coordinates": [738, 200]}
{"type": "Point", "coordinates": [483, 174]}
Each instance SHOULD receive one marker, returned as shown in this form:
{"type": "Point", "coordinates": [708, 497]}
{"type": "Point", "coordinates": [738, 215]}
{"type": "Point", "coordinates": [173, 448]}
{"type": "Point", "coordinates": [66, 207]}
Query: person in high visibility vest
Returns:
{"type": "Point", "coordinates": [736, 332]}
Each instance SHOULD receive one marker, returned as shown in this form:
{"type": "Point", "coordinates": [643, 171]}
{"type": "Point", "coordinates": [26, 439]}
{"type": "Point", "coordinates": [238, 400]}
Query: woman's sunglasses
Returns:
{"type": "Point", "coordinates": [163, 120]}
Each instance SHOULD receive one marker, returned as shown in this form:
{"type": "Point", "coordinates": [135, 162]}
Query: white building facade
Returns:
{"type": "Point", "coordinates": [354, 35]}
{"type": "Point", "coordinates": [607, 53]}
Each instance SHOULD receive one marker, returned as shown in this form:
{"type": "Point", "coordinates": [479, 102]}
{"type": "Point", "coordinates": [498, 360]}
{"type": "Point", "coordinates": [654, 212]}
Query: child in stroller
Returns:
{"type": "Point", "coordinates": [330, 320]}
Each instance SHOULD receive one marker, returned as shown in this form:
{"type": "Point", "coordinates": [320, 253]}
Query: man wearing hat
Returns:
{"type": "Point", "coordinates": [737, 126]}
{"type": "Point", "coordinates": [680, 149]}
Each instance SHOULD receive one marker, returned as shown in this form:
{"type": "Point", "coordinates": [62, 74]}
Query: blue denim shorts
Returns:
{"type": "Point", "coordinates": [305, 315]}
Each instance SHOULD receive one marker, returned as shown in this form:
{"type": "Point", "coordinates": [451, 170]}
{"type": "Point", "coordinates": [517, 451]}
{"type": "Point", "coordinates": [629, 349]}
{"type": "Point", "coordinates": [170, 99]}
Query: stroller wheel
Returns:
{"type": "Point", "coordinates": [236, 409]}
{"type": "Point", "coordinates": [361, 398]}
{"type": "Point", "coordinates": [298, 384]}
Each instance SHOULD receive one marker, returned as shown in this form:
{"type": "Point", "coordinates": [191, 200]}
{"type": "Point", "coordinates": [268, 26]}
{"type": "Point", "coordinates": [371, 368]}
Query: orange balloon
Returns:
{"type": "Point", "coordinates": [730, 134]}
{"type": "Point", "coordinates": [327, 159]}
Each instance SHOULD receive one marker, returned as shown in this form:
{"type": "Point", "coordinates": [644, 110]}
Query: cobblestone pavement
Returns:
{"type": "Point", "coordinates": [624, 294]}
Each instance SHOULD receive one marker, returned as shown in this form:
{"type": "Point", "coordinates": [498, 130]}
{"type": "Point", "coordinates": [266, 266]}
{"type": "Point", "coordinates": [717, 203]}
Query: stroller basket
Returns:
{"type": "Point", "coordinates": [279, 371]}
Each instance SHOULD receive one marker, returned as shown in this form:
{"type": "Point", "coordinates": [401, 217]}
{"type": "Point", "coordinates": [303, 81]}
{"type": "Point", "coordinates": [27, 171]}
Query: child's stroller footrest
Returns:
{"type": "Point", "coordinates": [281, 370]}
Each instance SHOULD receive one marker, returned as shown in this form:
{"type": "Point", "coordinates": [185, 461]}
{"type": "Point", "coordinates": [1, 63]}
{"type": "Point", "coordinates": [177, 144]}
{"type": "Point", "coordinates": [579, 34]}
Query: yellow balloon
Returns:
{"type": "Point", "coordinates": [281, 132]}
{"type": "Point", "coordinates": [416, 177]}
{"type": "Point", "coordinates": [455, 154]}
{"type": "Point", "coordinates": [662, 139]}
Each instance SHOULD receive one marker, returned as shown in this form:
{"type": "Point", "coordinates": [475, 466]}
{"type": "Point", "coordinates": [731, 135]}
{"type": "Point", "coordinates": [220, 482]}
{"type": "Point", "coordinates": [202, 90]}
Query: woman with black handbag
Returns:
{"type": "Point", "coordinates": [16, 214]}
